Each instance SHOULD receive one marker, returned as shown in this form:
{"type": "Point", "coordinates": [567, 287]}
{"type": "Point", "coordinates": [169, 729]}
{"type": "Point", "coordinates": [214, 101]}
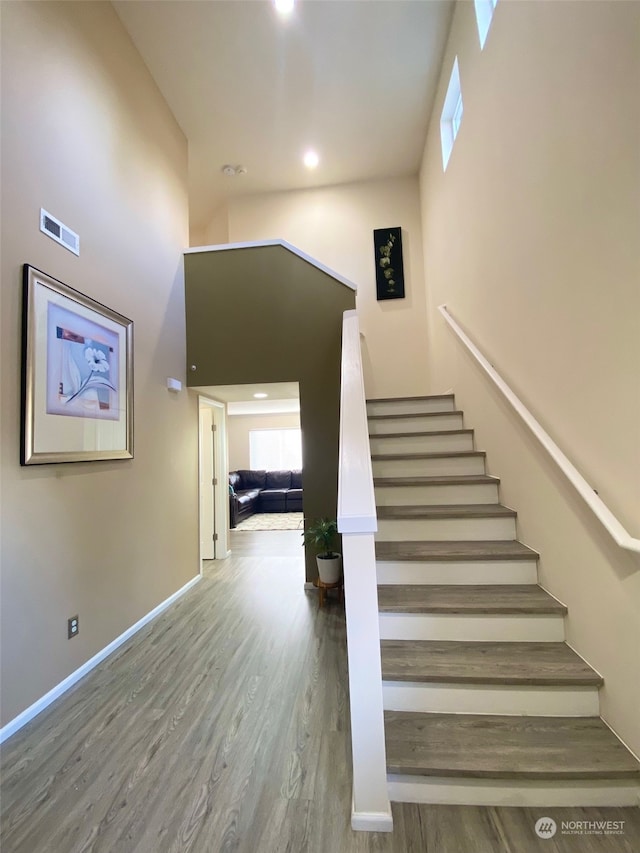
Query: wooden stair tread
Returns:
{"type": "Point", "coordinates": [442, 454]}
{"type": "Point", "coordinates": [446, 511]}
{"type": "Point", "coordinates": [505, 747]}
{"type": "Point", "coordinates": [405, 399]}
{"type": "Point", "coordinates": [447, 480]}
{"type": "Point", "coordinates": [414, 415]}
{"type": "Point", "coordinates": [494, 549]}
{"type": "Point", "coordinates": [421, 434]}
{"type": "Point", "coordinates": [515, 663]}
{"type": "Point", "coordinates": [448, 599]}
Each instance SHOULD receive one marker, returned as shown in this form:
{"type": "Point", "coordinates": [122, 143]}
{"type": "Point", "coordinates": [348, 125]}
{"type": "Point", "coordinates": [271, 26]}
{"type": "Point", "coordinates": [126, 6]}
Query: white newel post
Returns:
{"type": "Point", "coordinates": [357, 522]}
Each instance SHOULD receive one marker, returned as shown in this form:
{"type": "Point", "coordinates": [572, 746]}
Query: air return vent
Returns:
{"type": "Point", "coordinates": [53, 228]}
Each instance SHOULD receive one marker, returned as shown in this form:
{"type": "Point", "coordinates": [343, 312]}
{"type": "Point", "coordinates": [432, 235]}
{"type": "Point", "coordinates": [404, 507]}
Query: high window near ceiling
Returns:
{"type": "Point", "coordinates": [451, 117]}
{"type": "Point", "coordinates": [484, 14]}
{"type": "Point", "coordinates": [275, 449]}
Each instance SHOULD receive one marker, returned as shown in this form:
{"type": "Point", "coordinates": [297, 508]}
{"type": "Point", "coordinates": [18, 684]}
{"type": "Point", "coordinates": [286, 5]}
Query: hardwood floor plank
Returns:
{"type": "Point", "coordinates": [505, 747]}
{"type": "Point", "coordinates": [445, 414]}
{"type": "Point", "coordinates": [443, 551]}
{"type": "Point", "coordinates": [425, 397]}
{"type": "Point", "coordinates": [422, 433]}
{"type": "Point", "coordinates": [485, 663]}
{"type": "Point", "coordinates": [450, 480]}
{"type": "Point", "coordinates": [445, 454]}
{"type": "Point", "coordinates": [453, 511]}
{"type": "Point", "coordinates": [467, 598]}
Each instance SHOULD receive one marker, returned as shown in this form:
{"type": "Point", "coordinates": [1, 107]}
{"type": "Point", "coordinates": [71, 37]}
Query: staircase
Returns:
{"type": "Point", "coordinates": [484, 702]}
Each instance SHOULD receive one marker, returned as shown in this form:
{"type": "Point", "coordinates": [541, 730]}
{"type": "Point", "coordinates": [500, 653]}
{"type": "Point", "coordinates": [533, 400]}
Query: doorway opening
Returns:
{"type": "Point", "coordinates": [261, 468]}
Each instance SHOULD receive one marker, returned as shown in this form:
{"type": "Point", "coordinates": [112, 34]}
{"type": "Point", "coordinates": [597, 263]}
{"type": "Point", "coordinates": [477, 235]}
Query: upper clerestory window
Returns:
{"type": "Point", "coordinates": [484, 14]}
{"type": "Point", "coordinates": [451, 115]}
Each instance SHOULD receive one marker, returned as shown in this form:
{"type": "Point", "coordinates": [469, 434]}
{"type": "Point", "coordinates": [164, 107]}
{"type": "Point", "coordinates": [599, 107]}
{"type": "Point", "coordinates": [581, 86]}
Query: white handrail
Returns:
{"type": "Point", "coordinates": [356, 500]}
{"type": "Point", "coordinates": [620, 535]}
{"type": "Point", "coordinates": [357, 522]}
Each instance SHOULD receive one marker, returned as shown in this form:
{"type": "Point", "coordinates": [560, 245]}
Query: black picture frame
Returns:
{"type": "Point", "coordinates": [387, 244]}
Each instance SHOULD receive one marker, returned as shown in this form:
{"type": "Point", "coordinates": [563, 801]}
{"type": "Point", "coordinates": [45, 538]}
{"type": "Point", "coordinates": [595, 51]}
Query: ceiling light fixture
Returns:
{"type": "Point", "coordinates": [310, 159]}
{"type": "Point", "coordinates": [284, 6]}
{"type": "Point", "coordinates": [260, 395]}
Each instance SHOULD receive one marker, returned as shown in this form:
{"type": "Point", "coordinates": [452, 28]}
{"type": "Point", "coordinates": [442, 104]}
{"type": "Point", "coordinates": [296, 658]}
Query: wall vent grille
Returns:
{"type": "Point", "coordinates": [59, 232]}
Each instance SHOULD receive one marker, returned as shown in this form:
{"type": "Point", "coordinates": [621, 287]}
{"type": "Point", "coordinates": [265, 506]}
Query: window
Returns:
{"type": "Point", "coordinates": [275, 449]}
{"type": "Point", "coordinates": [451, 117]}
{"type": "Point", "coordinates": [457, 117]}
{"type": "Point", "coordinates": [484, 14]}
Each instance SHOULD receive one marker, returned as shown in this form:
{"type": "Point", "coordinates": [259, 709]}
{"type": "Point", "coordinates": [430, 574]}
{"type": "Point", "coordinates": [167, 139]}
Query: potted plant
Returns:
{"type": "Point", "coordinates": [321, 535]}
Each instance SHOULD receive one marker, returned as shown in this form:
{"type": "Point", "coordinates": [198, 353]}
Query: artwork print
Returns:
{"type": "Point", "coordinates": [82, 367]}
{"type": "Point", "coordinates": [77, 375]}
{"type": "Point", "coordinates": [389, 266]}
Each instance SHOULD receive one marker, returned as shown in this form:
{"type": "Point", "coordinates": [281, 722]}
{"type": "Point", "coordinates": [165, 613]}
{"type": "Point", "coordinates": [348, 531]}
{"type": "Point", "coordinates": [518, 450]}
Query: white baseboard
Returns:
{"type": "Point", "coordinates": [371, 821]}
{"type": "Point", "coordinates": [309, 586]}
{"type": "Point", "coordinates": [33, 710]}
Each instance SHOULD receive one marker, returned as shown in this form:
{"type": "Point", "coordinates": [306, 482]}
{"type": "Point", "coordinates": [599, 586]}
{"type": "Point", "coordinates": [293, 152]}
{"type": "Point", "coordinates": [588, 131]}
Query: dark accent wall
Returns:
{"type": "Point", "coordinates": [263, 314]}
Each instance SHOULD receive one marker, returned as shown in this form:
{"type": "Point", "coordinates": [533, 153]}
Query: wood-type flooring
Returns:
{"type": "Point", "coordinates": [223, 726]}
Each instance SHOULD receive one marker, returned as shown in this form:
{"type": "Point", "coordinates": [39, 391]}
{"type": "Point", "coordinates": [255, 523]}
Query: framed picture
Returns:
{"type": "Point", "coordinates": [387, 244]}
{"type": "Point", "coordinates": [77, 376]}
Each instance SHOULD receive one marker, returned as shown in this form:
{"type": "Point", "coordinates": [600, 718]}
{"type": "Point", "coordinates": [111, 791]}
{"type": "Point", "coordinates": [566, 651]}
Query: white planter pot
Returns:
{"type": "Point", "coordinates": [329, 568]}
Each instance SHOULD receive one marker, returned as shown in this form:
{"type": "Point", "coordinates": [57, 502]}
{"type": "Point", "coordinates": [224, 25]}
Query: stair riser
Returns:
{"type": "Point", "coordinates": [476, 628]}
{"type": "Point", "coordinates": [415, 530]}
{"type": "Point", "coordinates": [411, 407]}
{"type": "Point", "coordinates": [472, 493]}
{"type": "Point", "coordinates": [490, 699]}
{"type": "Point", "coordinates": [443, 465]}
{"type": "Point", "coordinates": [469, 572]}
{"type": "Point", "coordinates": [449, 443]}
{"type": "Point", "coordinates": [508, 792]}
{"type": "Point", "coordinates": [383, 427]}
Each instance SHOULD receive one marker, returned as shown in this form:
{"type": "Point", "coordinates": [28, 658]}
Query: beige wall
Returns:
{"type": "Point", "coordinates": [531, 239]}
{"type": "Point", "coordinates": [335, 226]}
{"type": "Point", "coordinates": [239, 426]}
{"type": "Point", "coordinates": [86, 135]}
{"type": "Point", "coordinates": [215, 232]}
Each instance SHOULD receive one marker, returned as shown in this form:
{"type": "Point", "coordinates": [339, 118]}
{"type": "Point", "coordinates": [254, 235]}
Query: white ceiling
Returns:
{"type": "Point", "coordinates": [355, 79]}
{"type": "Point", "coordinates": [282, 397]}
{"type": "Point", "coordinates": [239, 393]}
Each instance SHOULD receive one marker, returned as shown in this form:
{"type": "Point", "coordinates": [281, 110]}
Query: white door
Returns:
{"type": "Point", "coordinates": [207, 502]}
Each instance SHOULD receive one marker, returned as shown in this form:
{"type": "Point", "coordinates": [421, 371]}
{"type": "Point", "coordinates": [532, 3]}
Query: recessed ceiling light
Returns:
{"type": "Point", "coordinates": [260, 395]}
{"type": "Point", "coordinates": [284, 6]}
{"type": "Point", "coordinates": [310, 159]}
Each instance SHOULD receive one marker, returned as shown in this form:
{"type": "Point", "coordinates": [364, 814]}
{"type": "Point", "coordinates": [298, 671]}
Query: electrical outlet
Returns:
{"type": "Point", "coordinates": [73, 627]}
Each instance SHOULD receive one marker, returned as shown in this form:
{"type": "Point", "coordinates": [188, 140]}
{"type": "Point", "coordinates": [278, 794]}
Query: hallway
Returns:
{"type": "Point", "coordinates": [223, 726]}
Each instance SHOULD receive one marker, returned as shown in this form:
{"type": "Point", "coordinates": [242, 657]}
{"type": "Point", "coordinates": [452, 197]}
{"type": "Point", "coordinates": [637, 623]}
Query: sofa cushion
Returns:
{"type": "Point", "coordinates": [252, 479]}
{"type": "Point", "coordinates": [273, 500]}
{"type": "Point", "coordinates": [278, 480]}
{"type": "Point", "coordinates": [296, 479]}
{"type": "Point", "coordinates": [234, 480]}
{"type": "Point", "coordinates": [273, 494]}
{"type": "Point", "coordinates": [248, 496]}
{"type": "Point", "coordinates": [294, 500]}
